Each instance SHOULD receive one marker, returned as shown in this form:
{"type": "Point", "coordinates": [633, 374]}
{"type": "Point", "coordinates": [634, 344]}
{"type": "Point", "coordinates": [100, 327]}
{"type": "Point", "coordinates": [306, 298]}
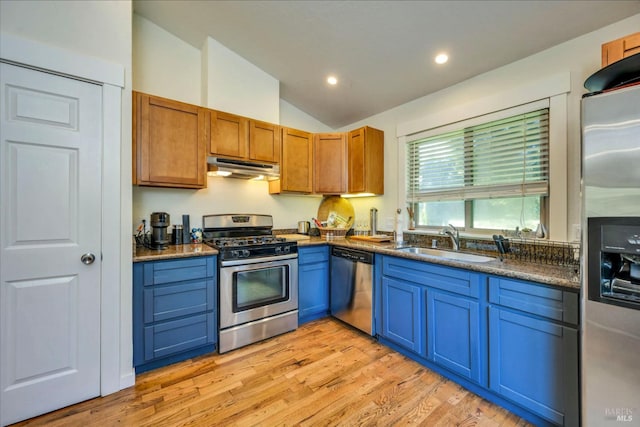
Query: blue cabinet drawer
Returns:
{"type": "Point", "coordinates": [164, 339]}
{"type": "Point", "coordinates": [435, 276]}
{"type": "Point", "coordinates": [176, 300]}
{"type": "Point", "coordinates": [313, 254]}
{"type": "Point", "coordinates": [534, 298]}
{"type": "Point", "coordinates": [159, 272]}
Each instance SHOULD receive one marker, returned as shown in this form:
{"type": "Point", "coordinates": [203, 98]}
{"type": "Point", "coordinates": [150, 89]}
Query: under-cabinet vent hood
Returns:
{"type": "Point", "coordinates": [242, 169]}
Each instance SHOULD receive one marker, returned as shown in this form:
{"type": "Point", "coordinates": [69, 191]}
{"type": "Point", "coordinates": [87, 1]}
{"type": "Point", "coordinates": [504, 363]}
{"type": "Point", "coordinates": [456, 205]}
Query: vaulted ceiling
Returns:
{"type": "Point", "coordinates": [382, 52]}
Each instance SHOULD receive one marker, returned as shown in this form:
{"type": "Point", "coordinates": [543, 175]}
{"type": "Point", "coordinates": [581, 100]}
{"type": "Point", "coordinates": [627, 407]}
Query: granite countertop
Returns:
{"type": "Point", "coordinates": [140, 253]}
{"type": "Point", "coordinates": [565, 277]}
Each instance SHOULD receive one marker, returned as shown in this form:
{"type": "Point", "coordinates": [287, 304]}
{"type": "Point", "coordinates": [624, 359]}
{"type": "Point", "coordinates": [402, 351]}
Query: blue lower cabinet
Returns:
{"type": "Point", "coordinates": [174, 310]}
{"type": "Point", "coordinates": [533, 362]}
{"type": "Point", "coordinates": [511, 341]}
{"type": "Point", "coordinates": [453, 331]}
{"type": "Point", "coordinates": [167, 338]}
{"type": "Point", "coordinates": [313, 283]}
{"type": "Point", "coordinates": [403, 315]}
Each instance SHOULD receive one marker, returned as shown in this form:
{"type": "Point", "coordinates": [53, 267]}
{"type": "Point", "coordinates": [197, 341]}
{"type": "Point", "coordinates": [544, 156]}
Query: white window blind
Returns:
{"type": "Point", "coordinates": [501, 158]}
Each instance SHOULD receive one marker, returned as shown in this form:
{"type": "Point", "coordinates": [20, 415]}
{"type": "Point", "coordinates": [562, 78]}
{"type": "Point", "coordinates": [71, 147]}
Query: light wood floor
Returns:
{"type": "Point", "coordinates": [322, 374]}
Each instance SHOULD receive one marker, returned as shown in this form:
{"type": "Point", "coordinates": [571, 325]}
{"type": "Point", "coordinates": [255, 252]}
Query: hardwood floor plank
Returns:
{"type": "Point", "coordinates": [400, 400]}
{"type": "Point", "coordinates": [323, 374]}
{"type": "Point", "coordinates": [421, 411]}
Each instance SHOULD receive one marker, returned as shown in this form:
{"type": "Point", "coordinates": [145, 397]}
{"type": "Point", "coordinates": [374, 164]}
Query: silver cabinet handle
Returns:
{"type": "Point", "coordinates": [88, 258]}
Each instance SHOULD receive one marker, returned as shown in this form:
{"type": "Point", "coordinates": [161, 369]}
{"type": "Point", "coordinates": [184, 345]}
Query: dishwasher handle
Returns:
{"type": "Point", "coordinates": [352, 255]}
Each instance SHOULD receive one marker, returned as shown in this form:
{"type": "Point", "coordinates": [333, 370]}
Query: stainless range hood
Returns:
{"type": "Point", "coordinates": [242, 169]}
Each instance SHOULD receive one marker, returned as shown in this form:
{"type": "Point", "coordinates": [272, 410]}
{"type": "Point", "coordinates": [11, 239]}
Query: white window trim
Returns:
{"type": "Point", "coordinates": [479, 120]}
{"type": "Point", "coordinates": [554, 88]}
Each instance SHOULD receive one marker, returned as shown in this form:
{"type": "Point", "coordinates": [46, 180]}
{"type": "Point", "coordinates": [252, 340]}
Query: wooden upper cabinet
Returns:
{"type": "Point", "coordinates": [366, 161]}
{"type": "Point", "coordinates": [621, 48]}
{"type": "Point", "coordinates": [296, 163]}
{"type": "Point", "coordinates": [171, 140]}
{"type": "Point", "coordinates": [349, 163]}
{"type": "Point", "coordinates": [330, 163]}
{"type": "Point", "coordinates": [243, 138]}
{"type": "Point", "coordinates": [169, 143]}
{"type": "Point", "coordinates": [229, 135]}
{"type": "Point", "coordinates": [264, 141]}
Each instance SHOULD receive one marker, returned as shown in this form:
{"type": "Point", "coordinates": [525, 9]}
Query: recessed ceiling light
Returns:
{"type": "Point", "coordinates": [332, 80]}
{"type": "Point", "coordinates": [441, 58]}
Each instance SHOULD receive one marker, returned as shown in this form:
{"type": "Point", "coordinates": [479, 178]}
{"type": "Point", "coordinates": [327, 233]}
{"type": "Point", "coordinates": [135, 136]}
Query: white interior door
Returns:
{"type": "Point", "coordinates": [50, 190]}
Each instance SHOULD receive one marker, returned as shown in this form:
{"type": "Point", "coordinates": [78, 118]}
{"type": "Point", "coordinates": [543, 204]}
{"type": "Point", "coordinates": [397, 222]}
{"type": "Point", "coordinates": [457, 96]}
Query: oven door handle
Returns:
{"type": "Point", "coordinates": [248, 261]}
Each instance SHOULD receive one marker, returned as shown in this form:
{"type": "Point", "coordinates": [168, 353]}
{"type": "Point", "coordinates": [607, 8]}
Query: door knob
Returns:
{"type": "Point", "coordinates": [88, 258]}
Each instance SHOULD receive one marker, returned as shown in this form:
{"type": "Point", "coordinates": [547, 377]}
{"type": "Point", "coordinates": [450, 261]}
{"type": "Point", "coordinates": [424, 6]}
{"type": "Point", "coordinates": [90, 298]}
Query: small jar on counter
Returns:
{"type": "Point", "coordinates": [176, 234]}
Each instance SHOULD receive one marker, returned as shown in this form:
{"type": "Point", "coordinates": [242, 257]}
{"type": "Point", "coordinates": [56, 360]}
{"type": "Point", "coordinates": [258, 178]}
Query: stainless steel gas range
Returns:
{"type": "Point", "coordinates": [258, 278]}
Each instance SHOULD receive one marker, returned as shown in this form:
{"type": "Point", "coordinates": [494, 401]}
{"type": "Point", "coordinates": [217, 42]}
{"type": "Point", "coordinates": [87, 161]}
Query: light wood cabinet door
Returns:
{"type": "Point", "coordinates": [296, 165]}
{"type": "Point", "coordinates": [264, 141]}
{"type": "Point", "coordinates": [330, 163]}
{"type": "Point", "coordinates": [169, 143]}
{"type": "Point", "coordinates": [366, 161]}
{"type": "Point", "coordinates": [229, 135]}
{"type": "Point", "coordinates": [623, 47]}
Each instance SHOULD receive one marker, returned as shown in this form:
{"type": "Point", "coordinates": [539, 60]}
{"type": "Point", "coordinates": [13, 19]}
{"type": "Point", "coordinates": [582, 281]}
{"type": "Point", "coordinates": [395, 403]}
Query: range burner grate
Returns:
{"type": "Point", "coordinates": [245, 241]}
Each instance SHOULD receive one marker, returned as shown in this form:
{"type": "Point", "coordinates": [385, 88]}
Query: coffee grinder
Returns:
{"type": "Point", "coordinates": [159, 236]}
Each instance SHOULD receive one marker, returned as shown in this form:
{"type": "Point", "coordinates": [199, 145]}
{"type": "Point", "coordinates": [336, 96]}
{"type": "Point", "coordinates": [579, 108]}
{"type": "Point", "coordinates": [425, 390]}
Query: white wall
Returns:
{"type": "Point", "coordinates": [100, 29]}
{"type": "Point", "coordinates": [580, 57]}
{"type": "Point", "coordinates": [223, 195]}
{"type": "Point", "coordinates": [233, 84]}
{"type": "Point", "coordinates": [95, 28]}
{"type": "Point", "coordinates": [168, 63]}
{"type": "Point", "coordinates": [293, 117]}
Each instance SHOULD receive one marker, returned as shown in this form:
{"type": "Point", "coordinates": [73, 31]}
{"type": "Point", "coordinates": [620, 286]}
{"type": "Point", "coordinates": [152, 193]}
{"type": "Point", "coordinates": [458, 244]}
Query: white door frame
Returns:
{"type": "Point", "coordinates": [111, 77]}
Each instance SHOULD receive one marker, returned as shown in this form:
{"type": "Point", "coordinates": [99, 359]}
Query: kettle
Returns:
{"type": "Point", "coordinates": [303, 227]}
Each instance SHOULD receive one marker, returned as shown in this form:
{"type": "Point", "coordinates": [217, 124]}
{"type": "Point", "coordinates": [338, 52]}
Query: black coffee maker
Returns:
{"type": "Point", "coordinates": [159, 235]}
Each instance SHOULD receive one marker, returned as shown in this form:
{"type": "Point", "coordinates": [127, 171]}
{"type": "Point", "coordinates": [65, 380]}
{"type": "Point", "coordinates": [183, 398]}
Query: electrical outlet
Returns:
{"type": "Point", "coordinates": [577, 232]}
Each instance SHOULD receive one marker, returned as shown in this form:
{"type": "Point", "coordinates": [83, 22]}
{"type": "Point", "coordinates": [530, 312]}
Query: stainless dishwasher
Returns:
{"type": "Point", "coordinates": [351, 284]}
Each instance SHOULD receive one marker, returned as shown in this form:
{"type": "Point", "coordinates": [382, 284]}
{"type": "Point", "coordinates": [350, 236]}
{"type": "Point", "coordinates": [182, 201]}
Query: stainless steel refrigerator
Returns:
{"type": "Point", "coordinates": [610, 300]}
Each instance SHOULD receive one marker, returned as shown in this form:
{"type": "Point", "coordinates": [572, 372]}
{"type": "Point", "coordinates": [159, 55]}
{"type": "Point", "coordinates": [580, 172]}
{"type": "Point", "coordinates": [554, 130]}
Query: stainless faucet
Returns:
{"type": "Point", "coordinates": [452, 232]}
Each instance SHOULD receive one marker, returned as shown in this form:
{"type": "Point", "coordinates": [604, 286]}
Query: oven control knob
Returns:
{"type": "Point", "coordinates": [287, 249]}
{"type": "Point", "coordinates": [278, 249]}
{"type": "Point", "coordinates": [245, 253]}
{"type": "Point", "coordinates": [234, 254]}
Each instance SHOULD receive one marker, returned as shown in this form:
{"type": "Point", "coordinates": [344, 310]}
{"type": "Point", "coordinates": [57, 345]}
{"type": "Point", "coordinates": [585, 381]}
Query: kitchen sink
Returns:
{"type": "Point", "coordinates": [437, 253]}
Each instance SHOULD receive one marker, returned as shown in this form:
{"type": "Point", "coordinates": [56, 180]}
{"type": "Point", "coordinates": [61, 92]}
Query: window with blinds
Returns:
{"type": "Point", "coordinates": [458, 170]}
